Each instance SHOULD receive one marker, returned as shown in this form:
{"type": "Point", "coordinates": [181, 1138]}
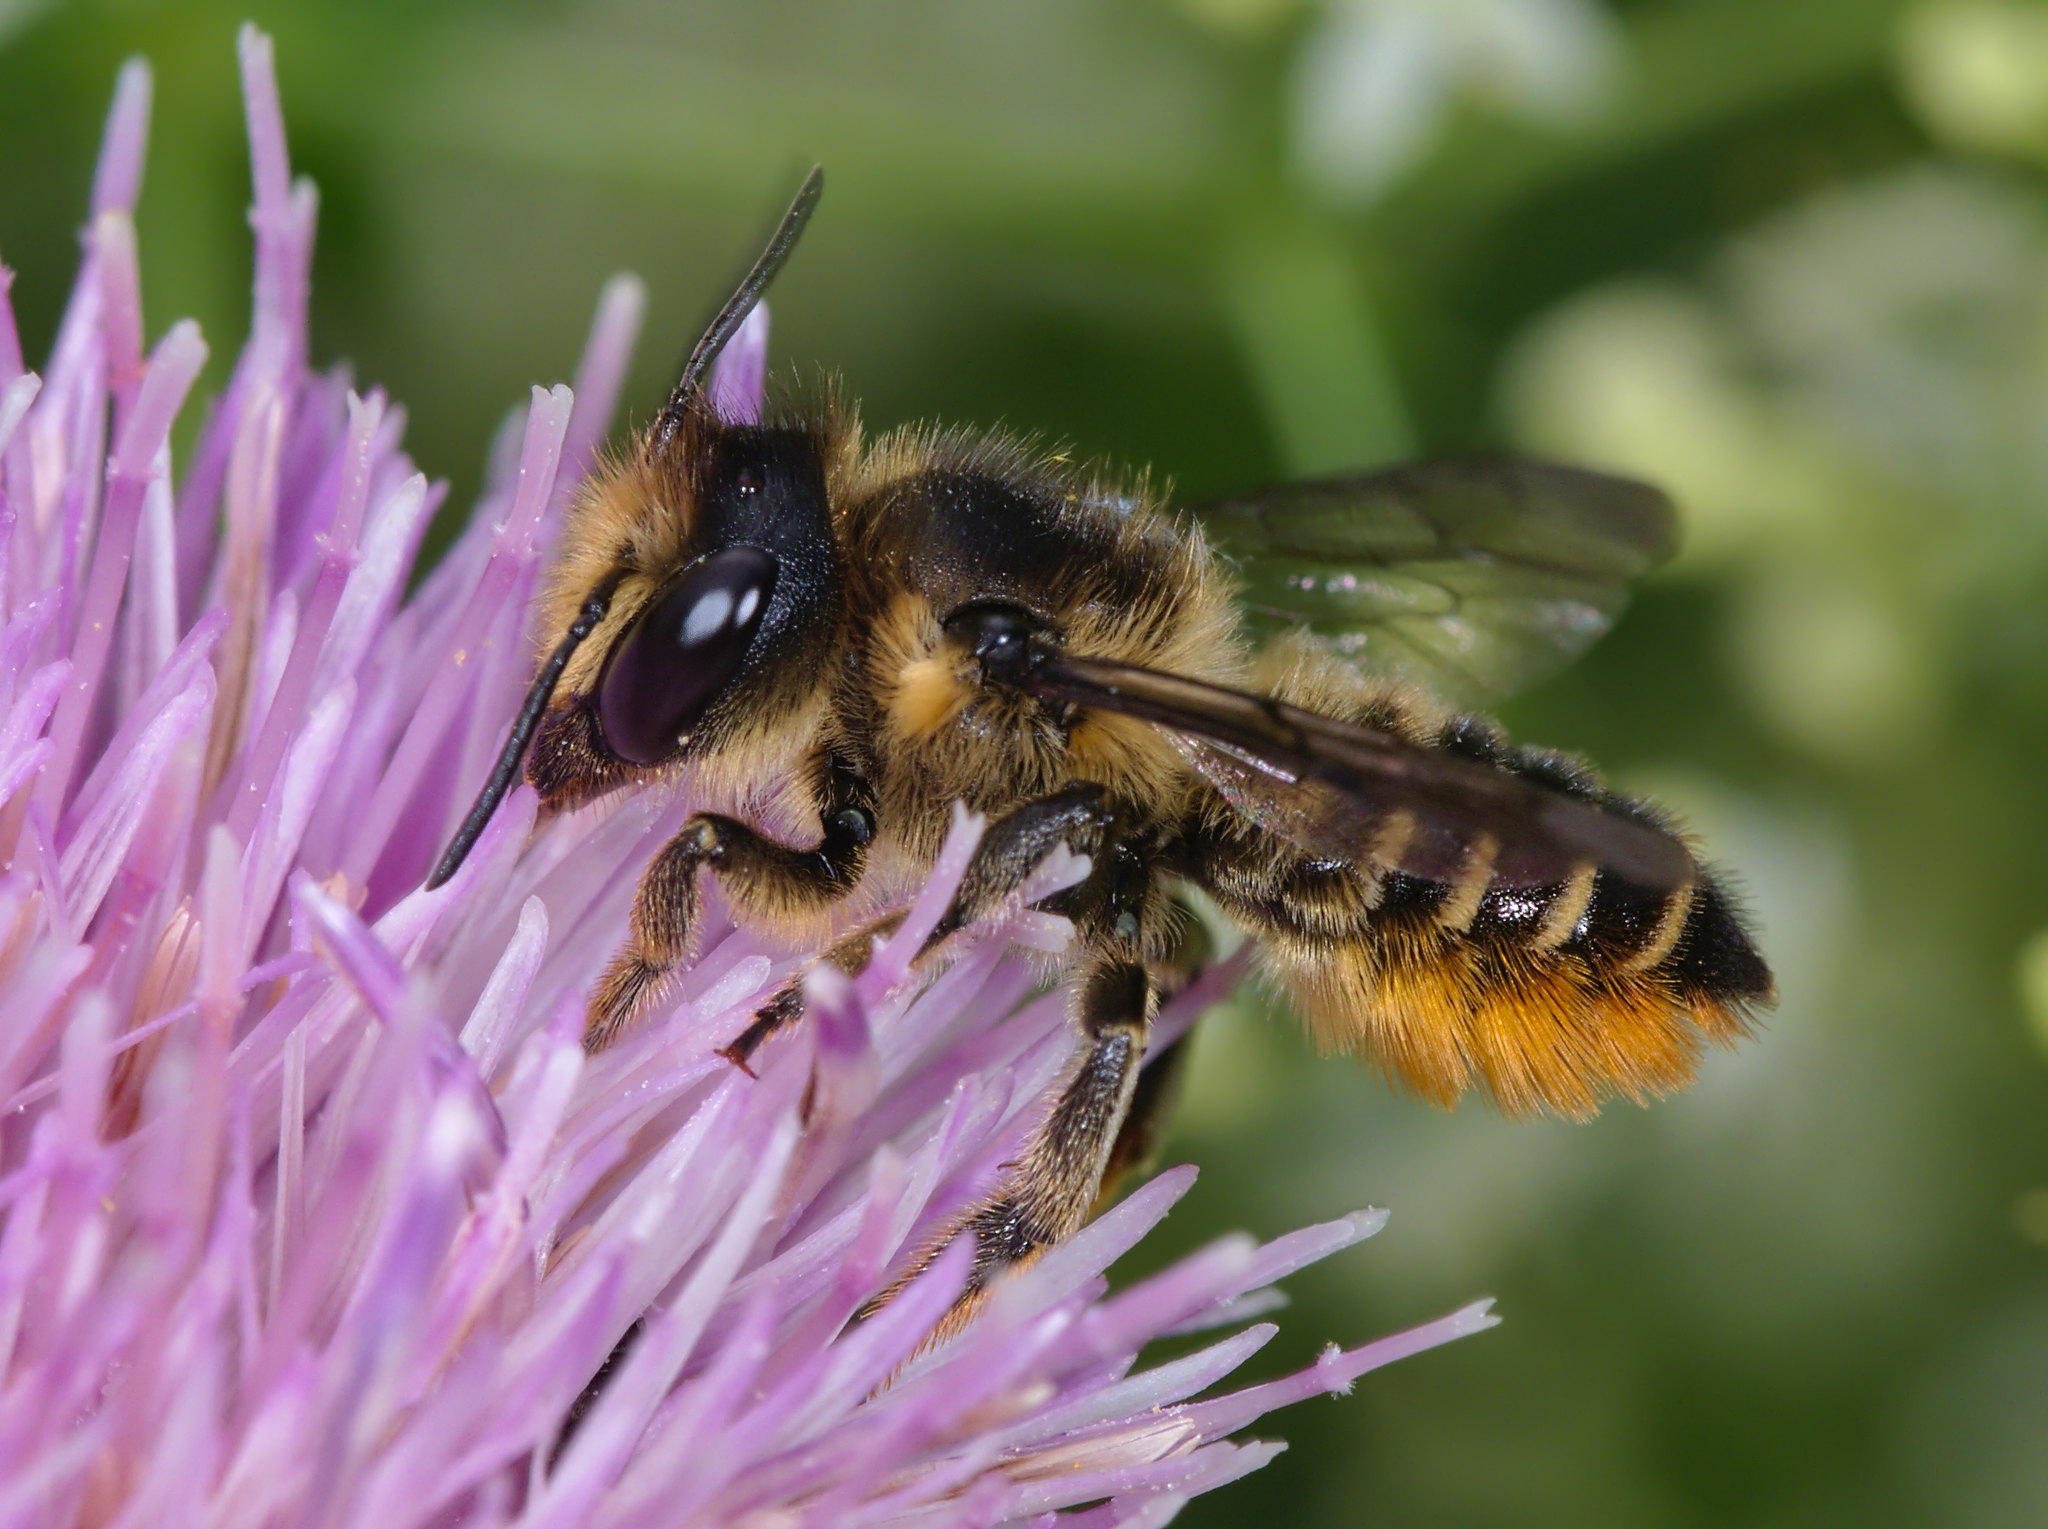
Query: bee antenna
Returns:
{"type": "Point", "coordinates": [741, 303]}
{"type": "Point", "coordinates": [506, 770]}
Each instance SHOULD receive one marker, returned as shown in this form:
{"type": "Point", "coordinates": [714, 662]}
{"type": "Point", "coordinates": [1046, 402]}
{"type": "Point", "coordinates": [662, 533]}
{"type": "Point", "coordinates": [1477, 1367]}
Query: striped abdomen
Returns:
{"type": "Point", "coordinates": [1554, 996]}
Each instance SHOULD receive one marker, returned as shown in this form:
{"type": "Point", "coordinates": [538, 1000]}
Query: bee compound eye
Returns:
{"type": "Point", "coordinates": [682, 652]}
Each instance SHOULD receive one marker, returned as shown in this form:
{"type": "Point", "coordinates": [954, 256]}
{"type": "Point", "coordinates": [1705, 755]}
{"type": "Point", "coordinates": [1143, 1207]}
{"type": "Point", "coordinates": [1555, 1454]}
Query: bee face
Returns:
{"type": "Point", "coordinates": [745, 596]}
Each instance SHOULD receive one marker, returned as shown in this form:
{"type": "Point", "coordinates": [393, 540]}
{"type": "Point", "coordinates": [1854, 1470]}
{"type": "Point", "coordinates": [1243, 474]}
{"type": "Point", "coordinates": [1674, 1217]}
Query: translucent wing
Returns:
{"type": "Point", "coordinates": [1352, 792]}
{"type": "Point", "coordinates": [1471, 578]}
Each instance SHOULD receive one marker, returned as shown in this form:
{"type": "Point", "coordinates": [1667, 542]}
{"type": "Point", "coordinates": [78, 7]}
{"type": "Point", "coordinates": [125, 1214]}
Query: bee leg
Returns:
{"type": "Point", "coordinates": [849, 953]}
{"type": "Point", "coordinates": [1159, 1085]}
{"type": "Point", "coordinates": [762, 878]}
{"type": "Point", "coordinates": [1011, 849]}
{"type": "Point", "coordinates": [589, 1396]}
{"type": "Point", "coordinates": [1144, 1129]}
{"type": "Point", "coordinates": [1052, 1189]}
{"type": "Point", "coordinates": [1017, 843]}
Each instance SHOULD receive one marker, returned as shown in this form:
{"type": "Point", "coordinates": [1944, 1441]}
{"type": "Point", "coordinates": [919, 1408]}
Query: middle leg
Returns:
{"type": "Point", "coordinates": [1050, 1191]}
{"type": "Point", "coordinates": [1052, 1188]}
{"type": "Point", "coordinates": [1054, 1185]}
{"type": "Point", "coordinates": [1159, 1085]}
{"type": "Point", "coordinates": [1013, 847]}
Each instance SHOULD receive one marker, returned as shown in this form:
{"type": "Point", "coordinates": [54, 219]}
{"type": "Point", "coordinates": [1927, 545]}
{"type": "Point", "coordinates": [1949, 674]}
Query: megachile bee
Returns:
{"type": "Point", "coordinates": [1225, 702]}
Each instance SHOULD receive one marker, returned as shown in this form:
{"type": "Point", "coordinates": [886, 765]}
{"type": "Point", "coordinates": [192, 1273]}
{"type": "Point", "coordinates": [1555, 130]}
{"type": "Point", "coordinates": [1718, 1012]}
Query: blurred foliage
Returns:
{"type": "Point", "coordinates": [1789, 257]}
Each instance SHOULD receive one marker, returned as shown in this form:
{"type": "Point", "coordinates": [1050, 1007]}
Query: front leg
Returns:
{"type": "Point", "coordinates": [850, 953]}
{"type": "Point", "coordinates": [763, 879]}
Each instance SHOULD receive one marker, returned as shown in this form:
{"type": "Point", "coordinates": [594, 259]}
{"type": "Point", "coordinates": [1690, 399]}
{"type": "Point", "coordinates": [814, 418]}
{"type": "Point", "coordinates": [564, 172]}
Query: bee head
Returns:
{"type": "Point", "coordinates": [764, 566]}
{"type": "Point", "coordinates": [751, 601]}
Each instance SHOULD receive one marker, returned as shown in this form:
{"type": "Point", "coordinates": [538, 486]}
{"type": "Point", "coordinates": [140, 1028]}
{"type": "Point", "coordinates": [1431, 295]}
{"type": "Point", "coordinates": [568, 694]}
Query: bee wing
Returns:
{"type": "Point", "coordinates": [1349, 792]}
{"type": "Point", "coordinates": [1471, 578]}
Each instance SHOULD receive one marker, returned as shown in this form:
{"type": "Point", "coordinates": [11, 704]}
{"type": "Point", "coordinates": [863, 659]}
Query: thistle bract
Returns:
{"type": "Point", "coordinates": [315, 1210]}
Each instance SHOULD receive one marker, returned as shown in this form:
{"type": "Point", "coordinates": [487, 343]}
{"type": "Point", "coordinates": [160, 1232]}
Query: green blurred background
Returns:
{"type": "Point", "coordinates": [1787, 257]}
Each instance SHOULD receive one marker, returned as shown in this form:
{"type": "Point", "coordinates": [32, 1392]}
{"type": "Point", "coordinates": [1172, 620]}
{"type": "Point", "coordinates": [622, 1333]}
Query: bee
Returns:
{"type": "Point", "coordinates": [1226, 702]}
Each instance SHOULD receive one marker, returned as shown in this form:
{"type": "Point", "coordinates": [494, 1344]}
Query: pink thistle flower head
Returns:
{"type": "Point", "coordinates": [312, 1207]}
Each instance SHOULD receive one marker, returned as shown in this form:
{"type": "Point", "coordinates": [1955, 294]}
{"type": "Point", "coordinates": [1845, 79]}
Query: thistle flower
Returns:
{"type": "Point", "coordinates": [315, 1211]}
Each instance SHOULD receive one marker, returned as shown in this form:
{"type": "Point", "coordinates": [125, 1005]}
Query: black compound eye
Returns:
{"type": "Point", "coordinates": [682, 652]}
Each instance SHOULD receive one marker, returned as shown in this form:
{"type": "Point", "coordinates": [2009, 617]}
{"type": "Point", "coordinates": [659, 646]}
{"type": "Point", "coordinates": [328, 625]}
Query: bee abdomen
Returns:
{"type": "Point", "coordinates": [1455, 971]}
{"type": "Point", "coordinates": [1553, 997]}
{"type": "Point", "coordinates": [1714, 960]}
{"type": "Point", "coordinates": [1692, 934]}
